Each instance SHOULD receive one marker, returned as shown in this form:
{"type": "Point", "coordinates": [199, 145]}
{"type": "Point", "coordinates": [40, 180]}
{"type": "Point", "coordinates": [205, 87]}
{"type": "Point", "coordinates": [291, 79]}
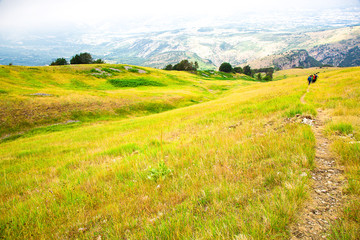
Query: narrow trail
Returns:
{"type": "Point", "coordinates": [302, 99]}
{"type": "Point", "coordinates": [326, 196]}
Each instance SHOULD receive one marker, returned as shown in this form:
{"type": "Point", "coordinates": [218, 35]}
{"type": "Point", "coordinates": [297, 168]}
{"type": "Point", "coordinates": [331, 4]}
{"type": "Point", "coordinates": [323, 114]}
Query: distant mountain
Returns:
{"type": "Point", "coordinates": [337, 47]}
{"type": "Point", "coordinates": [352, 58]}
{"type": "Point", "coordinates": [335, 53]}
{"type": "Point", "coordinates": [175, 57]}
{"type": "Point", "coordinates": [301, 43]}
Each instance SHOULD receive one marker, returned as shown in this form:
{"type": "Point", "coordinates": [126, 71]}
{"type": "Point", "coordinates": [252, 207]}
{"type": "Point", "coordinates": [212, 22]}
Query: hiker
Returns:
{"type": "Point", "coordinates": [315, 78]}
{"type": "Point", "coordinates": [310, 78]}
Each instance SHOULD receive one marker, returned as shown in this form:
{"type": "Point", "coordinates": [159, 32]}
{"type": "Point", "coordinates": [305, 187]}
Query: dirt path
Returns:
{"type": "Point", "coordinates": [326, 194]}
{"type": "Point", "coordinates": [302, 99]}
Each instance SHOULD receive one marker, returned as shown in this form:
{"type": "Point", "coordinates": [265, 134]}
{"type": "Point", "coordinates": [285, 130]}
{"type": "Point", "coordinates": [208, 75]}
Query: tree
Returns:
{"type": "Point", "coordinates": [82, 58]}
{"type": "Point", "coordinates": [238, 70]}
{"type": "Point", "coordinates": [247, 70]}
{"type": "Point", "coordinates": [196, 65]}
{"type": "Point", "coordinates": [225, 67]}
{"type": "Point", "coordinates": [169, 67]}
{"type": "Point", "coordinates": [184, 65]}
{"type": "Point", "coordinates": [59, 61]}
{"type": "Point", "coordinates": [269, 76]}
{"type": "Point", "coordinates": [99, 61]}
{"type": "Point", "coordinates": [75, 59]}
{"type": "Point", "coordinates": [258, 76]}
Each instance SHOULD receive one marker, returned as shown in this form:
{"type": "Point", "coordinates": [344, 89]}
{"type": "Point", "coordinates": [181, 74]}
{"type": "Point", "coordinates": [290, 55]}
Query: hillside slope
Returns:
{"type": "Point", "coordinates": [37, 96]}
{"type": "Point", "coordinates": [237, 167]}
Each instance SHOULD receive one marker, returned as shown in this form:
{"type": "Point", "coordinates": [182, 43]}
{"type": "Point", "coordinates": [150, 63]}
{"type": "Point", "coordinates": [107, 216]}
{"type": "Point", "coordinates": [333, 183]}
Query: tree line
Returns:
{"type": "Point", "coordinates": [226, 67]}
{"type": "Point", "coordinates": [185, 65]}
{"type": "Point", "coordinates": [82, 58]}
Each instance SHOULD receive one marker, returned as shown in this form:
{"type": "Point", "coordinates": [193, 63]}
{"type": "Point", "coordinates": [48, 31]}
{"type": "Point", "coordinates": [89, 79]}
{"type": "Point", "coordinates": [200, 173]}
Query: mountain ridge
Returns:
{"type": "Point", "coordinates": [210, 47]}
{"type": "Point", "coordinates": [332, 48]}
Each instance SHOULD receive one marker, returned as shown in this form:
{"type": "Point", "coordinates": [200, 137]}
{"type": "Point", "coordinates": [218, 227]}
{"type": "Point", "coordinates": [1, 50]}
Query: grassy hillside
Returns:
{"type": "Point", "coordinates": [229, 168]}
{"type": "Point", "coordinates": [32, 97]}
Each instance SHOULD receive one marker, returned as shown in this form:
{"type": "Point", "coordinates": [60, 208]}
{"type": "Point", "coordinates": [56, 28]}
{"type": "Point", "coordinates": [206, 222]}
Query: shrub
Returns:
{"type": "Point", "coordinates": [169, 67]}
{"type": "Point", "coordinates": [160, 172]}
{"type": "Point", "coordinates": [267, 77]}
{"type": "Point", "coordinates": [59, 61]}
{"type": "Point", "coordinates": [258, 76]}
{"type": "Point", "coordinates": [247, 70]}
{"type": "Point", "coordinates": [225, 67]}
{"type": "Point", "coordinates": [238, 70]}
{"type": "Point", "coordinates": [185, 65]}
{"type": "Point", "coordinates": [108, 70]}
{"type": "Point", "coordinates": [99, 61]}
{"type": "Point", "coordinates": [133, 70]}
{"type": "Point", "coordinates": [134, 82]}
{"type": "Point", "coordinates": [82, 58]}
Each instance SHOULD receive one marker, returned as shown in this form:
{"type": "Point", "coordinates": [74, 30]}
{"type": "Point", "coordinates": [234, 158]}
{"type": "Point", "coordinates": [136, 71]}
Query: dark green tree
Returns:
{"type": "Point", "coordinates": [184, 65]}
{"type": "Point", "coordinates": [225, 67]}
{"type": "Point", "coordinates": [75, 59]}
{"type": "Point", "coordinates": [82, 58]}
{"type": "Point", "coordinates": [269, 76]}
{"type": "Point", "coordinates": [258, 76]}
{"type": "Point", "coordinates": [247, 70]}
{"type": "Point", "coordinates": [169, 67]}
{"type": "Point", "coordinates": [238, 70]}
{"type": "Point", "coordinates": [196, 65]}
{"type": "Point", "coordinates": [59, 61]}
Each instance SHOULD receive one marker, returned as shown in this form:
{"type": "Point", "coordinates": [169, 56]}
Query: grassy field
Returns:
{"type": "Point", "coordinates": [339, 93]}
{"type": "Point", "coordinates": [230, 166]}
{"type": "Point", "coordinates": [40, 96]}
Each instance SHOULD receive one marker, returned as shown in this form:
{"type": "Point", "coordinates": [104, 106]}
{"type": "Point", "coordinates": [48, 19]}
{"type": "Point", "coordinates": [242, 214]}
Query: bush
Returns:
{"type": "Point", "coordinates": [59, 61]}
{"type": "Point", "coordinates": [225, 67]}
{"type": "Point", "coordinates": [238, 70]}
{"type": "Point", "coordinates": [247, 70]}
{"type": "Point", "coordinates": [160, 172]}
{"type": "Point", "coordinates": [267, 78]}
{"type": "Point", "coordinates": [133, 70]}
{"type": "Point", "coordinates": [258, 76]}
{"type": "Point", "coordinates": [99, 61]}
{"type": "Point", "coordinates": [134, 83]}
{"type": "Point", "coordinates": [169, 67]}
{"type": "Point", "coordinates": [185, 65]}
{"type": "Point", "coordinates": [82, 58]}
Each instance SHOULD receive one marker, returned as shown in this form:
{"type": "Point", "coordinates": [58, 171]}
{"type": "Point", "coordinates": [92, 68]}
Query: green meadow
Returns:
{"type": "Point", "coordinates": [111, 152]}
{"type": "Point", "coordinates": [41, 96]}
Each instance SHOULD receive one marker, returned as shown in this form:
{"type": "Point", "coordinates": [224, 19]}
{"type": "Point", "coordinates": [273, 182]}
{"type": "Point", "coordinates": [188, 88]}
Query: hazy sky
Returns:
{"type": "Point", "coordinates": [29, 16]}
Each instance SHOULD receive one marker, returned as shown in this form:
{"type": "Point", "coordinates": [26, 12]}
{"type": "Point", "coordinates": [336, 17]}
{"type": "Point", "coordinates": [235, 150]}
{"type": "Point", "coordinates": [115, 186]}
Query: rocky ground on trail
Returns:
{"type": "Point", "coordinates": [326, 196]}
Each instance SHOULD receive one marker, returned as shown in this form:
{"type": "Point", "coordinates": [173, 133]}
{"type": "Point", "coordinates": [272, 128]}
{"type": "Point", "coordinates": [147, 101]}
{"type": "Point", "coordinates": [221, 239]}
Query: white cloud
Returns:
{"type": "Point", "coordinates": [36, 15]}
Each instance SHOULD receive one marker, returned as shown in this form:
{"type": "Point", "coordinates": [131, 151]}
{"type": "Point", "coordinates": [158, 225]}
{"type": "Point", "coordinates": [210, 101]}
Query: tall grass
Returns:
{"type": "Point", "coordinates": [338, 93]}
{"type": "Point", "coordinates": [73, 93]}
{"type": "Point", "coordinates": [230, 168]}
